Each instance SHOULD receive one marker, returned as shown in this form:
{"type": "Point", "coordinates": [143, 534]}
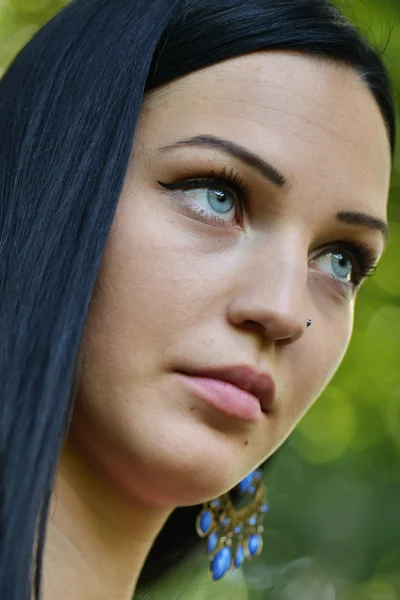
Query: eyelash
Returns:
{"type": "Point", "coordinates": [364, 255]}
{"type": "Point", "coordinates": [365, 258]}
{"type": "Point", "coordinates": [227, 180]}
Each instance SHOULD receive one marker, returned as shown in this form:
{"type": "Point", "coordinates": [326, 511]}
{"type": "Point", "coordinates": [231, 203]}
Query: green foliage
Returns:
{"type": "Point", "coordinates": [333, 532]}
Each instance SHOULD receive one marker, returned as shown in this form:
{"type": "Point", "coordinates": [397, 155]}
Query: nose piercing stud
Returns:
{"type": "Point", "coordinates": [309, 322]}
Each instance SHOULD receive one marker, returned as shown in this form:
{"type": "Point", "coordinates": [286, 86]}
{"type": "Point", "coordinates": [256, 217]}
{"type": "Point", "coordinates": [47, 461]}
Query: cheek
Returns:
{"type": "Point", "coordinates": [147, 291]}
{"type": "Point", "coordinates": [308, 368]}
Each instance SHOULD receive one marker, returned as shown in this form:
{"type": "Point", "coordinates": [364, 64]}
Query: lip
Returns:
{"type": "Point", "coordinates": [256, 384]}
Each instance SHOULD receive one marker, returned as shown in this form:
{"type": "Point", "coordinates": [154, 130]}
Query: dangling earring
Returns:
{"type": "Point", "coordinates": [233, 534]}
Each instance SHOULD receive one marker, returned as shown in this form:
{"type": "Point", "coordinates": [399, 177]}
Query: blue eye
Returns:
{"type": "Point", "coordinates": [220, 200]}
{"type": "Point", "coordinates": [338, 264]}
{"type": "Point", "coordinates": [216, 199]}
{"type": "Point", "coordinates": [348, 266]}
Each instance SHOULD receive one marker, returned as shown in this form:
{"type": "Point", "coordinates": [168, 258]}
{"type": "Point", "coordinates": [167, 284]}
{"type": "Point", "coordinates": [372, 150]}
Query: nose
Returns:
{"type": "Point", "coordinates": [270, 294]}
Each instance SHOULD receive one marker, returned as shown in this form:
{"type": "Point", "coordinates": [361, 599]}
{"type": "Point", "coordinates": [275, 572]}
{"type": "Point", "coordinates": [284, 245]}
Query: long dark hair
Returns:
{"type": "Point", "coordinates": [69, 105]}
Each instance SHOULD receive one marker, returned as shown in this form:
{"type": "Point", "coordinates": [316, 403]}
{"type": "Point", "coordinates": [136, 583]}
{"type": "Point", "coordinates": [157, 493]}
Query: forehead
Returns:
{"type": "Point", "coordinates": [316, 120]}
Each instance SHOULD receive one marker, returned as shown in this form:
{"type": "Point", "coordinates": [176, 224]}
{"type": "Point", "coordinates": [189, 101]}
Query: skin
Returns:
{"type": "Point", "coordinates": [175, 291]}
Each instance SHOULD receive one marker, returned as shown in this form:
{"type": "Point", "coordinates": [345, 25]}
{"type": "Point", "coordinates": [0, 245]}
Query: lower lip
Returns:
{"type": "Point", "coordinates": [226, 397]}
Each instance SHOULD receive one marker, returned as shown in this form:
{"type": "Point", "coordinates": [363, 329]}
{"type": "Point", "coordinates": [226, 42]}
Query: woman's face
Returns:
{"type": "Point", "coordinates": [213, 274]}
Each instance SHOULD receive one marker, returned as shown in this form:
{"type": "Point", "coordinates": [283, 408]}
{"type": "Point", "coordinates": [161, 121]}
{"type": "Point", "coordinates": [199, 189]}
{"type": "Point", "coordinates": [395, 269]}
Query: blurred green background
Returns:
{"type": "Point", "coordinates": [333, 531]}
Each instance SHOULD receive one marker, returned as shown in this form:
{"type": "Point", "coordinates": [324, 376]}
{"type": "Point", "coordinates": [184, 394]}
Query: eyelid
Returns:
{"type": "Point", "coordinates": [231, 179]}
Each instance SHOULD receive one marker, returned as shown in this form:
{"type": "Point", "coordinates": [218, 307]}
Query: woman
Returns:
{"type": "Point", "coordinates": [186, 187]}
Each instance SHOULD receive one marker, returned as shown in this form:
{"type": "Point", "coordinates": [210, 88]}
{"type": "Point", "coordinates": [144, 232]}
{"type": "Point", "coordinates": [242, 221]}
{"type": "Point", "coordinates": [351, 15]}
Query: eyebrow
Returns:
{"type": "Point", "coordinates": [274, 176]}
{"type": "Point", "coordinates": [247, 157]}
{"type": "Point", "coordinates": [359, 218]}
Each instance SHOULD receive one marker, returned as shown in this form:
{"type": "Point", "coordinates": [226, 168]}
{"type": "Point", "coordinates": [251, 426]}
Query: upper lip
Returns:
{"type": "Point", "coordinates": [246, 378]}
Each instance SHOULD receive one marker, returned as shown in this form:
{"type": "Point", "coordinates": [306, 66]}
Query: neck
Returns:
{"type": "Point", "coordinates": [97, 541]}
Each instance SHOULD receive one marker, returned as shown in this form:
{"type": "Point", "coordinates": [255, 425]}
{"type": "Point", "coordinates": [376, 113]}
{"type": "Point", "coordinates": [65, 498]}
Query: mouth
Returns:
{"type": "Point", "coordinates": [256, 385]}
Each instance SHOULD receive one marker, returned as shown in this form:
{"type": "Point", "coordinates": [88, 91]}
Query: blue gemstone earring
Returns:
{"type": "Point", "coordinates": [233, 534]}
